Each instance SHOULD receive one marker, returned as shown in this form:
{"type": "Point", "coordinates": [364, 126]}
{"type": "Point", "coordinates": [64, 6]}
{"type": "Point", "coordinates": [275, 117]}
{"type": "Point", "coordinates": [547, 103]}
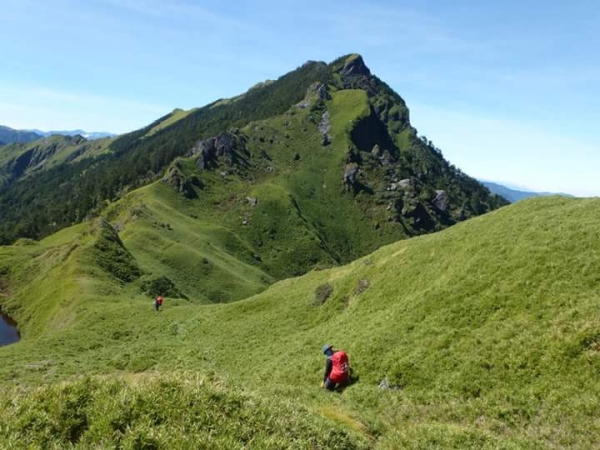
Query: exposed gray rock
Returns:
{"type": "Point", "coordinates": [375, 151]}
{"type": "Point", "coordinates": [318, 90]}
{"type": "Point", "coordinates": [185, 186]}
{"type": "Point", "coordinates": [441, 200]}
{"type": "Point", "coordinates": [325, 128]}
{"type": "Point", "coordinates": [355, 65]}
{"type": "Point", "coordinates": [385, 385]}
{"type": "Point", "coordinates": [230, 147]}
{"type": "Point", "coordinates": [405, 184]}
{"type": "Point", "coordinates": [356, 75]}
{"type": "Point", "coordinates": [253, 201]}
{"type": "Point", "coordinates": [350, 175]}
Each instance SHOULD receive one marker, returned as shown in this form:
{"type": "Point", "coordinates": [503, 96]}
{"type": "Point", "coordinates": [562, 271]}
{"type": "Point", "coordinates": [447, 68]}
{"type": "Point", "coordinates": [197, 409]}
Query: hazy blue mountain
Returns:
{"type": "Point", "coordinates": [10, 136]}
{"type": "Point", "coordinates": [89, 135]}
{"type": "Point", "coordinates": [514, 195]}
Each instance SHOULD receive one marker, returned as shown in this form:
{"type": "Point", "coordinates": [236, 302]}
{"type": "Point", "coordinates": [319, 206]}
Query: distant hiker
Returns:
{"type": "Point", "coordinates": [158, 302]}
{"type": "Point", "coordinates": [337, 368]}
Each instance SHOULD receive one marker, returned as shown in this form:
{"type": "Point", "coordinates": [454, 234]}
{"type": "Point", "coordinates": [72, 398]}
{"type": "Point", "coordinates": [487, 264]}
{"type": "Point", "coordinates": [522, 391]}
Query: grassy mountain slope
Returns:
{"type": "Point", "coordinates": [22, 159]}
{"type": "Point", "coordinates": [279, 201]}
{"type": "Point", "coordinates": [383, 160]}
{"type": "Point", "coordinates": [175, 116]}
{"type": "Point", "coordinates": [136, 160]}
{"type": "Point", "coordinates": [489, 331]}
{"type": "Point", "coordinates": [275, 204]}
{"type": "Point", "coordinates": [205, 259]}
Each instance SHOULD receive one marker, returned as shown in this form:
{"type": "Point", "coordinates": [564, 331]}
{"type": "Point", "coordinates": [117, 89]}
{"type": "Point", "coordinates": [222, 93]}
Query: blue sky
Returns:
{"type": "Point", "coordinates": [508, 90]}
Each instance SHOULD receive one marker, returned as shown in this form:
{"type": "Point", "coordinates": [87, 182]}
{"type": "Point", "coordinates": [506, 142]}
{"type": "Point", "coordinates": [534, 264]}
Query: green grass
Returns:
{"type": "Point", "coordinates": [135, 412]}
{"type": "Point", "coordinates": [175, 116]}
{"type": "Point", "coordinates": [490, 330]}
{"type": "Point", "coordinates": [169, 237]}
{"type": "Point", "coordinates": [48, 153]}
{"type": "Point", "coordinates": [220, 248]}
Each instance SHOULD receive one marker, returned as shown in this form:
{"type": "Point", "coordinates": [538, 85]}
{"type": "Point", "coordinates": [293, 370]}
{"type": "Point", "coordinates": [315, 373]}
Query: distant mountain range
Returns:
{"type": "Point", "coordinates": [90, 135]}
{"type": "Point", "coordinates": [513, 195]}
{"type": "Point", "coordinates": [10, 136]}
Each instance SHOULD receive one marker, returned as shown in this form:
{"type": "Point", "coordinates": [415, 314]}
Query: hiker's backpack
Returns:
{"type": "Point", "coordinates": [340, 367]}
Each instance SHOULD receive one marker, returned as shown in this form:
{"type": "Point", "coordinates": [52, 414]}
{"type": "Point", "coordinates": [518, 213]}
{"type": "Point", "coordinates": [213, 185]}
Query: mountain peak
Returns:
{"type": "Point", "coordinates": [354, 64]}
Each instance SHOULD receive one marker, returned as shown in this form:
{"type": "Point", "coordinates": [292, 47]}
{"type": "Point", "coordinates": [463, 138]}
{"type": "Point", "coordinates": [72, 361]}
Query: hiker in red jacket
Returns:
{"type": "Point", "coordinates": [158, 302]}
{"type": "Point", "coordinates": [337, 368]}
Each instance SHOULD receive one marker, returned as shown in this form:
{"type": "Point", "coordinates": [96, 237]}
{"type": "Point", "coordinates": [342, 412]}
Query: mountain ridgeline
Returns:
{"type": "Point", "coordinates": [382, 151]}
{"type": "Point", "coordinates": [22, 160]}
{"type": "Point", "coordinates": [10, 136]}
{"type": "Point", "coordinates": [513, 195]}
{"type": "Point", "coordinates": [315, 169]}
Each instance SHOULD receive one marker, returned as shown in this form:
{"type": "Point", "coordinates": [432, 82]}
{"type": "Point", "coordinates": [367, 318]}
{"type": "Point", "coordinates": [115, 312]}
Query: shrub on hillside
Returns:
{"type": "Point", "coordinates": [161, 286]}
{"type": "Point", "coordinates": [323, 292]}
{"type": "Point", "coordinates": [361, 286]}
{"type": "Point", "coordinates": [110, 254]}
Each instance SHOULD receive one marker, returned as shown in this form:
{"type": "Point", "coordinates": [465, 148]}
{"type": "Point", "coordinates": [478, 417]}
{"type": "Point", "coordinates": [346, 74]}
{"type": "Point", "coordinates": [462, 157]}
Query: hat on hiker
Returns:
{"type": "Point", "coordinates": [327, 347]}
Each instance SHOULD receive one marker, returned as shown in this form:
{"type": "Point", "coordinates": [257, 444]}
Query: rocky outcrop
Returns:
{"type": "Point", "coordinates": [356, 75]}
{"type": "Point", "coordinates": [316, 91]}
{"type": "Point", "coordinates": [355, 65]}
{"type": "Point", "coordinates": [325, 128]}
{"type": "Point", "coordinates": [229, 147]}
{"type": "Point", "coordinates": [441, 201]}
{"type": "Point", "coordinates": [350, 181]}
{"type": "Point", "coordinates": [182, 184]}
{"type": "Point", "coordinates": [405, 184]}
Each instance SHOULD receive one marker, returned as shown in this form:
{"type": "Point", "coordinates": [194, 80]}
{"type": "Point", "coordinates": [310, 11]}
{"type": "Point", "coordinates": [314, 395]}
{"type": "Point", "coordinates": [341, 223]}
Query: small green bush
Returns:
{"type": "Point", "coordinates": [161, 286]}
{"type": "Point", "coordinates": [361, 286]}
{"type": "Point", "coordinates": [323, 292]}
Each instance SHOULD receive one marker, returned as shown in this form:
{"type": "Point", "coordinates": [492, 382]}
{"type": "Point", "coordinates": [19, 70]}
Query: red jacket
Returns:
{"type": "Point", "coordinates": [339, 367]}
